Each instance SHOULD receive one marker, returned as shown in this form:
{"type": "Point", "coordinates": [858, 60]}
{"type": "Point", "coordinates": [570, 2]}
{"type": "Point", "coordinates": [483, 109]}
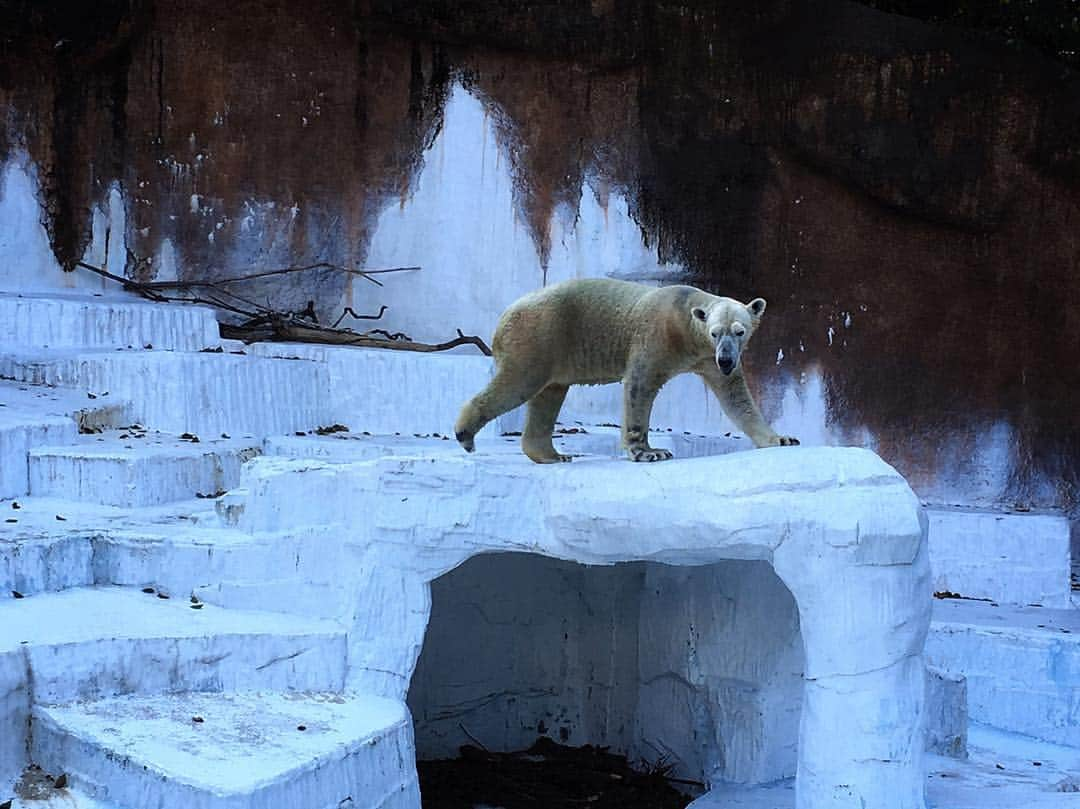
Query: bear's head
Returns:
{"type": "Point", "coordinates": [728, 324]}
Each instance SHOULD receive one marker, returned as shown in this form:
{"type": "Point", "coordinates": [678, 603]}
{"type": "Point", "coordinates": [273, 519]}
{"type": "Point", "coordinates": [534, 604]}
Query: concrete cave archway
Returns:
{"type": "Point", "coordinates": [700, 667]}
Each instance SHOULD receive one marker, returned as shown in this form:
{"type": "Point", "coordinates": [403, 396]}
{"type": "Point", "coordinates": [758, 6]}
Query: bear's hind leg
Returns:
{"type": "Point", "coordinates": [507, 390]}
{"type": "Point", "coordinates": [540, 422]}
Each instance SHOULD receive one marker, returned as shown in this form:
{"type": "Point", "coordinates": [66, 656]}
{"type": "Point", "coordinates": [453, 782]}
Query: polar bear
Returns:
{"type": "Point", "coordinates": [596, 331]}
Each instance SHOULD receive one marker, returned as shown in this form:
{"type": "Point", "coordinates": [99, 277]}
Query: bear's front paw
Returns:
{"type": "Point", "coordinates": [466, 440]}
{"type": "Point", "coordinates": [649, 455]}
{"type": "Point", "coordinates": [785, 441]}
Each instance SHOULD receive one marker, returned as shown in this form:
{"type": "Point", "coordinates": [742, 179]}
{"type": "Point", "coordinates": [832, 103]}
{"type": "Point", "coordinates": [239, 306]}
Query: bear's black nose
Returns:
{"type": "Point", "coordinates": [725, 364]}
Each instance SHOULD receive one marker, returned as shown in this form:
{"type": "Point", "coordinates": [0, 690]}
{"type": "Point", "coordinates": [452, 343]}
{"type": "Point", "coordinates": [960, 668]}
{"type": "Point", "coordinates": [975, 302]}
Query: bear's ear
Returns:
{"type": "Point", "coordinates": [756, 307]}
{"type": "Point", "coordinates": [698, 312]}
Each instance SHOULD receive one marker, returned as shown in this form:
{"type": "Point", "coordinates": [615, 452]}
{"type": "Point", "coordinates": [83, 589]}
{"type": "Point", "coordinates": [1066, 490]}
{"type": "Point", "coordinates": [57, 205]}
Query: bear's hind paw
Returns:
{"type": "Point", "coordinates": [549, 458]}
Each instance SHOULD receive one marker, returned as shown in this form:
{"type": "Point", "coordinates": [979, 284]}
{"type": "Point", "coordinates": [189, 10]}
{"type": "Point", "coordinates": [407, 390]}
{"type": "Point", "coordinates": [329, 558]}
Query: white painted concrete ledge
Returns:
{"type": "Point", "coordinates": [840, 528]}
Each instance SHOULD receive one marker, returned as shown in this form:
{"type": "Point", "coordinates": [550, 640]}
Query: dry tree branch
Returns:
{"type": "Point", "coordinates": [264, 323]}
{"type": "Point", "coordinates": [303, 333]}
{"type": "Point", "coordinates": [126, 282]}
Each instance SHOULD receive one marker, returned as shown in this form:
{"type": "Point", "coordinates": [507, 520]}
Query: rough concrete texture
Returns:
{"type": "Point", "coordinates": [1020, 664]}
{"type": "Point", "coordinates": [1006, 557]}
{"type": "Point", "coordinates": [853, 561]}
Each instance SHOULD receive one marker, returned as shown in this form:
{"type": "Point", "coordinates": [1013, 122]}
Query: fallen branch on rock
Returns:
{"type": "Point", "coordinates": [285, 329]}
{"type": "Point", "coordinates": [263, 323]}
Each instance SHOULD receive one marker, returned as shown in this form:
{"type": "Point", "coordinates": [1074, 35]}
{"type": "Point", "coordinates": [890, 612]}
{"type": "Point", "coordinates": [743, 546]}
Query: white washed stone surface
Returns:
{"type": "Point", "coordinates": [1009, 558]}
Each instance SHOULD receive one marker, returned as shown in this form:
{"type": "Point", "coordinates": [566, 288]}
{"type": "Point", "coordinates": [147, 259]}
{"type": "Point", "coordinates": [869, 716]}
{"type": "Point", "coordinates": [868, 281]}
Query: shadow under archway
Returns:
{"type": "Point", "coordinates": [700, 668]}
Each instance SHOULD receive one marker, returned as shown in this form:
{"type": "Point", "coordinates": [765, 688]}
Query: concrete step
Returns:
{"type": "Point", "coordinates": [1021, 664]}
{"type": "Point", "coordinates": [90, 643]}
{"type": "Point", "coordinates": [49, 544]}
{"type": "Point", "coordinates": [177, 548]}
{"type": "Point", "coordinates": [58, 320]}
{"type": "Point", "coordinates": [1014, 558]}
{"type": "Point", "coordinates": [134, 467]}
{"type": "Point", "coordinates": [234, 751]}
{"type": "Point", "coordinates": [32, 416]}
{"type": "Point", "coordinates": [32, 563]}
{"type": "Point", "coordinates": [198, 392]}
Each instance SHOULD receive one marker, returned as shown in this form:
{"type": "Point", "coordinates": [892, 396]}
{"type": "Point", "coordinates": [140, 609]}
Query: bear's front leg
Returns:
{"type": "Point", "coordinates": [640, 387]}
{"type": "Point", "coordinates": [739, 406]}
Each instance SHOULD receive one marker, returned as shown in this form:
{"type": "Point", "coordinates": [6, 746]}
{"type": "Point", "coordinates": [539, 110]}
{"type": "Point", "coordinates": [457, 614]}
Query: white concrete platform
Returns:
{"type": "Point", "coordinates": [1008, 557]}
{"type": "Point", "coordinates": [1021, 664]}
{"type": "Point", "coordinates": [1002, 772]}
{"type": "Point", "coordinates": [135, 467]}
{"type": "Point", "coordinates": [58, 320]}
{"type": "Point", "coordinates": [249, 751]}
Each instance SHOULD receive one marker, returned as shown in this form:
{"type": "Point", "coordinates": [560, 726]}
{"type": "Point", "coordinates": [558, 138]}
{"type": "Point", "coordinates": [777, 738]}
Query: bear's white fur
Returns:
{"type": "Point", "coordinates": [598, 331]}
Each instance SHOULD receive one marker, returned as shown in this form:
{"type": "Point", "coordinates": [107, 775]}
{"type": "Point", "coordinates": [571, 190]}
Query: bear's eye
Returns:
{"type": "Point", "coordinates": [699, 314]}
{"type": "Point", "coordinates": [738, 331]}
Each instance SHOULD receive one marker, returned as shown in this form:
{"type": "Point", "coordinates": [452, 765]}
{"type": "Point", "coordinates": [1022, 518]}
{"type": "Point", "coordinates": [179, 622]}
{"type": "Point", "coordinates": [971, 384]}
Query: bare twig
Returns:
{"type": "Point", "coordinates": [127, 282]}
{"type": "Point", "coordinates": [479, 743]}
{"type": "Point", "coordinates": [398, 335]}
{"type": "Point", "coordinates": [322, 265]}
{"type": "Point", "coordinates": [349, 311]}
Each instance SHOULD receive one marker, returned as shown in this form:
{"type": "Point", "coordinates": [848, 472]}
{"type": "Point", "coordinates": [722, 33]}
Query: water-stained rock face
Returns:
{"type": "Point", "coordinates": [905, 194]}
